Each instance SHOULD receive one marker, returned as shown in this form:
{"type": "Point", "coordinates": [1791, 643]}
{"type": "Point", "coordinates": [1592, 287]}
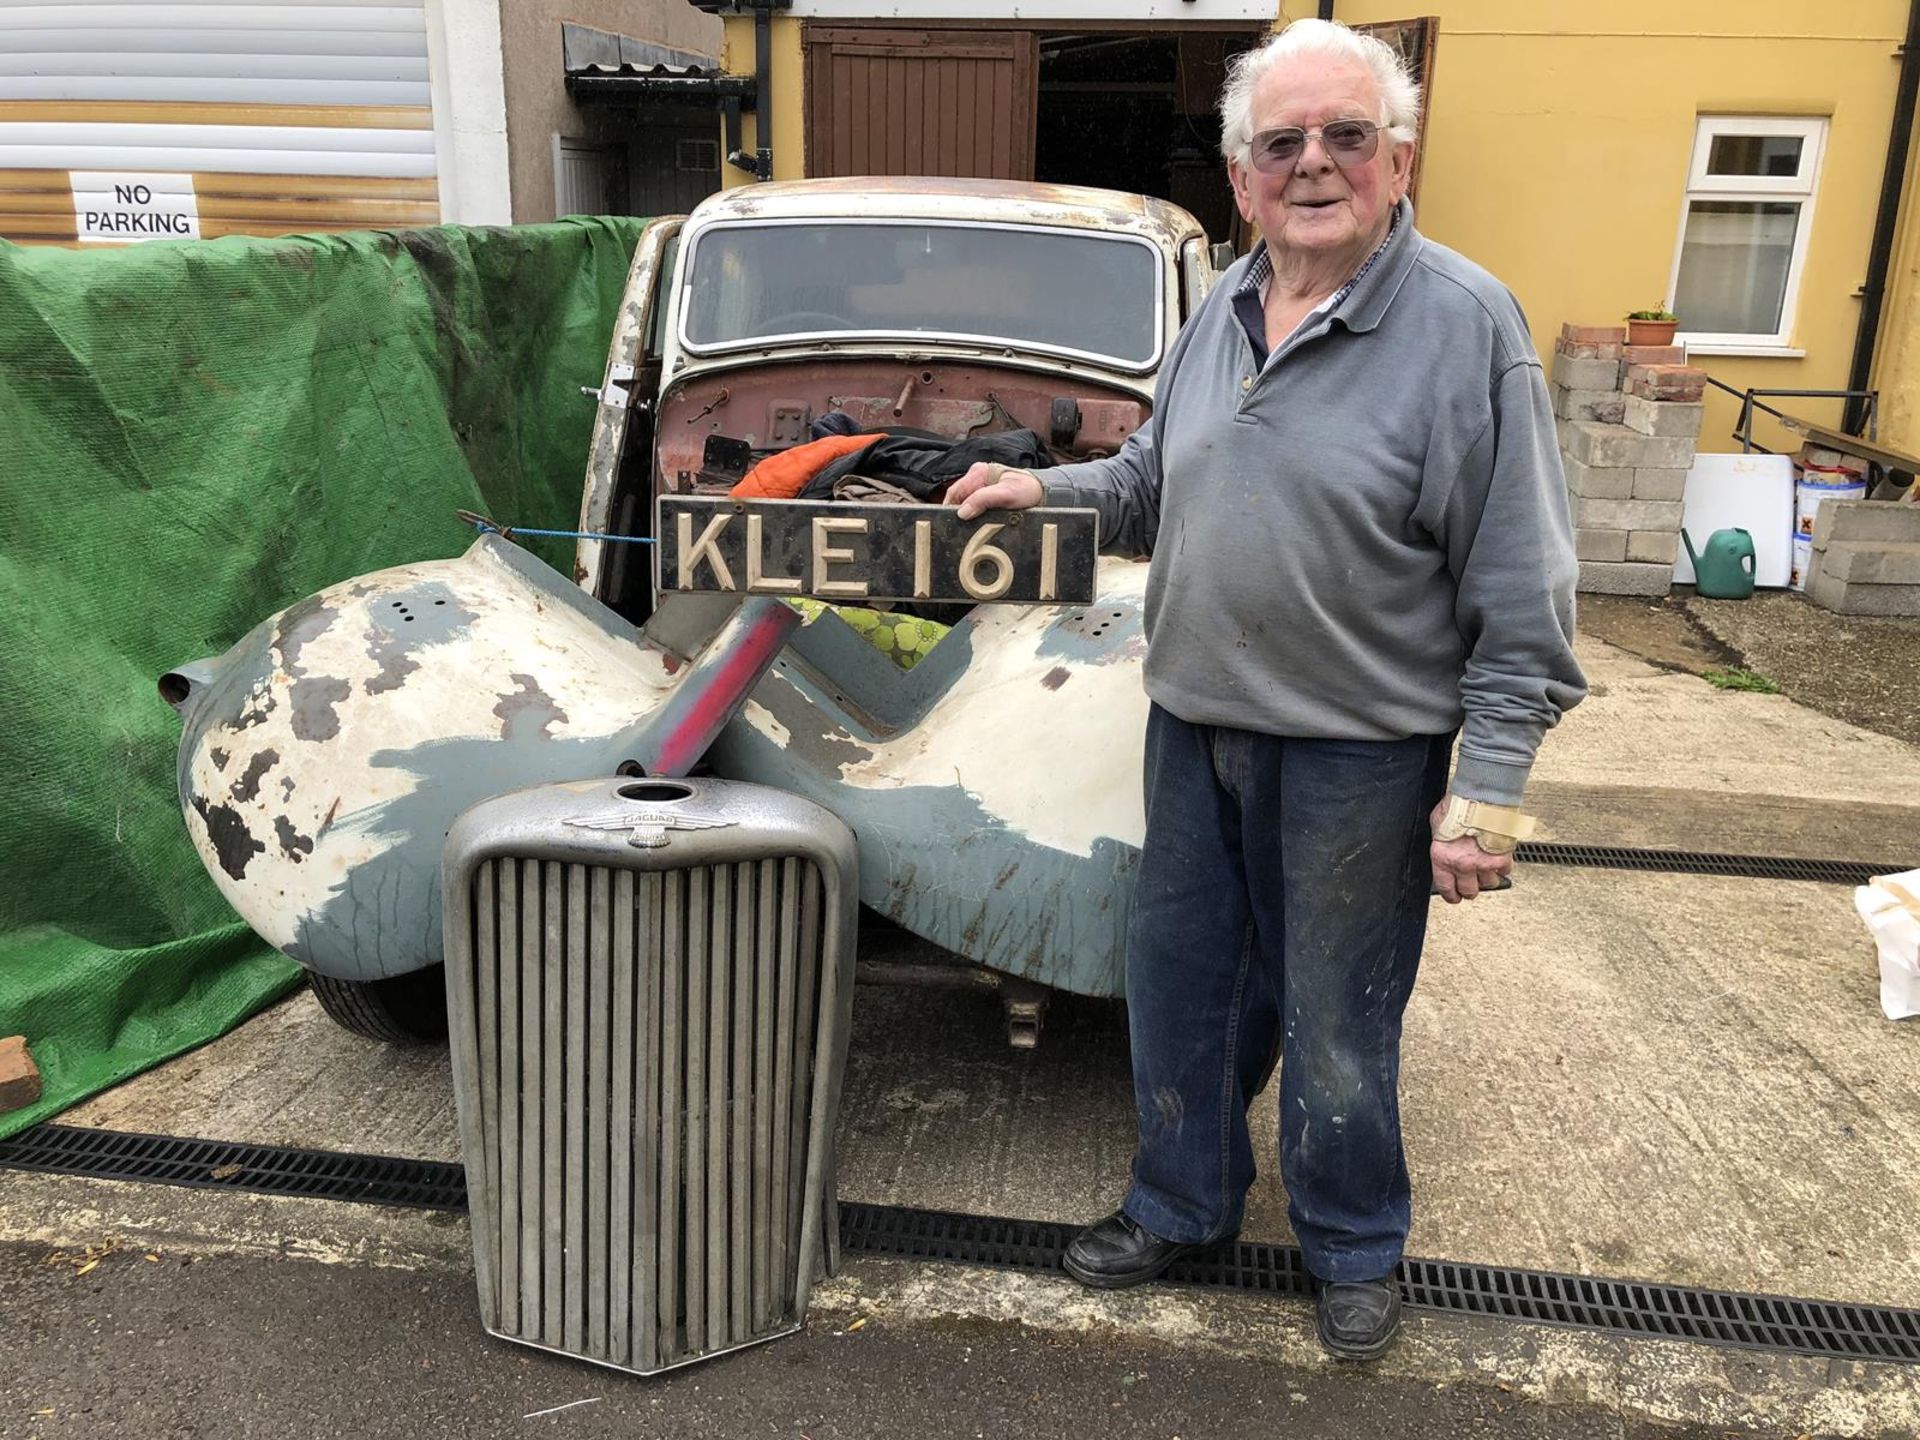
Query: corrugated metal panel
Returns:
{"type": "Point", "coordinates": [340, 53]}
{"type": "Point", "coordinates": [678, 1010]}
{"type": "Point", "coordinates": [918, 102]}
{"type": "Point", "coordinates": [287, 116]}
{"type": "Point", "coordinates": [257, 150]}
{"type": "Point", "coordinates": [583, 176]}
{"type": "Point", "coordinates": [648, 1049]}
{"type": "Point", "coordinates": [37, 205]}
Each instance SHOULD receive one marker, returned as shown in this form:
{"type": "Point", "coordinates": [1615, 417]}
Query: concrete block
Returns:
{"type": "Point", "coordinates": [1603, 446]}
{"type": "Point", "coordinates": [1616, 447]}
{"type": "Point", "coordinates": [1890, 522]}
{"type": "Point", "coordinates": [19, 1076]}
{"type": "Point", "coordinates": [1855, 597]}
{"type": "Point", "coordinates": [1651, 483]}
{"type": "Point", "coordinates": [1627, 514]}
{"type": "Point", "coordinates": [1600, 544]}
{"type": "Point", "coordinates": [1626, 578]}
{"type": "Point", "coordinates": [1655, 547]}
{"type": "Point", "coordinates": [1596, 482]}
{"type": "Point", "coordinates": [1562, 428]}
{"type": "Point", "coordinates": [1865, 562]}
{"type": "Point", "coordinates": [1585, 374]}
{"type": "Point", "coordinates": [1665, 452]}
{"type": "Point", "coordinates": [1606, 406]}
{"type": "Point", "coordinates": [1661, 417]}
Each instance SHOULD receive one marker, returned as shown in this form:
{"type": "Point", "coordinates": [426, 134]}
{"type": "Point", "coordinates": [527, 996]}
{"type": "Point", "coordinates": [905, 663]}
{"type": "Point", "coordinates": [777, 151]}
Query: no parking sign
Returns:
{"type": "Point", "coordinates": [112, 207]}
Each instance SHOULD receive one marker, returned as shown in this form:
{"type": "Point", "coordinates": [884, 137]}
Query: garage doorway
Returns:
{"type": "Point", "coordinates": [1136, 112]}
{"type": "Point", "coordinates": [1115, 105]}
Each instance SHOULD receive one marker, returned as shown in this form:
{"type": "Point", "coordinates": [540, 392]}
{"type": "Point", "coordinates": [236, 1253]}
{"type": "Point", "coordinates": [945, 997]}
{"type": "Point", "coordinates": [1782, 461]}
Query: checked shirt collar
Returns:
{"type": "Point", "coordinates": [1249, 298]}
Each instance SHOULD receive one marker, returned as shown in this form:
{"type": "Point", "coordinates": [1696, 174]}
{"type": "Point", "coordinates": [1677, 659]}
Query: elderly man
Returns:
{"type": "Point", "coordinates": [1353, 501]}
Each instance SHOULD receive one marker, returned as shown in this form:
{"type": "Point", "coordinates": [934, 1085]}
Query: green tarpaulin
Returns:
{"type": "Point", "coordinates": [193, 436]}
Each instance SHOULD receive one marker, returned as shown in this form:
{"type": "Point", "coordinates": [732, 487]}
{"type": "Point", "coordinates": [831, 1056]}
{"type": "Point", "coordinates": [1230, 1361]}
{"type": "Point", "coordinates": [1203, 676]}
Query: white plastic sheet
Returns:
{"type": "Point", "coordinates": [1890, 905]}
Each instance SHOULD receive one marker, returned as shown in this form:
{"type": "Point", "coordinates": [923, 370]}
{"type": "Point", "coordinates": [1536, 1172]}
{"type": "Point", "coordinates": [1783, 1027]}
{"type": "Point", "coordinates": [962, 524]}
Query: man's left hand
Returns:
{"type": "Point", "coordinates": [1461, 869]}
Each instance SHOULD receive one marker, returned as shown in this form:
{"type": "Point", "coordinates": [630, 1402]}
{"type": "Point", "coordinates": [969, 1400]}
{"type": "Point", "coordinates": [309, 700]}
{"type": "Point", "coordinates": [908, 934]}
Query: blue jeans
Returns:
{"type": "Point", "coordinates": [1281, 896]}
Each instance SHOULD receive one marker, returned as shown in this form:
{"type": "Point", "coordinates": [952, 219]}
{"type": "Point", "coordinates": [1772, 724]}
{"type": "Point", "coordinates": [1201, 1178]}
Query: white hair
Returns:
{"type": "Point", "coordinates": [1329, 40]}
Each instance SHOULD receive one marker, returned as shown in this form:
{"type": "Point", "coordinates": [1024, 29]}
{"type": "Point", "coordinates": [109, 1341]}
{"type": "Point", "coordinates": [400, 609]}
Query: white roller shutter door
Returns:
{"type": "Point", "coordinates": [282, 117]}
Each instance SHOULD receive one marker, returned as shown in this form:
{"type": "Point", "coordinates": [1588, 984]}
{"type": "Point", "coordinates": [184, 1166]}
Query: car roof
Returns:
{"type": "Point", "coordinates": [946, 198]}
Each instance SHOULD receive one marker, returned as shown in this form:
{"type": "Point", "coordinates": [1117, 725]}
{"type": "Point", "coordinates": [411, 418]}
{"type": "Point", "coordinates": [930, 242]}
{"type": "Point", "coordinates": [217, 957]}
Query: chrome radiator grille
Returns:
{"type": "Point", "coordinates": [645, 1047]}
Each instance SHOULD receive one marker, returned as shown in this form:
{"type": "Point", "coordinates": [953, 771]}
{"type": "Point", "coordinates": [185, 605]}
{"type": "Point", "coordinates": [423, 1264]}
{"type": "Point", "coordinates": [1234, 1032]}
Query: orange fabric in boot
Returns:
{"type": "Point", "coordinates": [783, 476]}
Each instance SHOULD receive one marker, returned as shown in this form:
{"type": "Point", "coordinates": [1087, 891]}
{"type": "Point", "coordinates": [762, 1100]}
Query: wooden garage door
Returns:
{"type": "Point", "coordinates": [920, 102]}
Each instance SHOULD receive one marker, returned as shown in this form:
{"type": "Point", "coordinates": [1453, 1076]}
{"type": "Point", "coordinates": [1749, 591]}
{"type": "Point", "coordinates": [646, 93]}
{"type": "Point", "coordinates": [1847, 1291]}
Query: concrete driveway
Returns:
{"type": "Point", "coordinates": [1661, 1077]}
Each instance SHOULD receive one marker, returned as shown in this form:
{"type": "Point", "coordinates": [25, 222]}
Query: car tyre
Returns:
{"type": "Point", "coordinates": [408, 1009]}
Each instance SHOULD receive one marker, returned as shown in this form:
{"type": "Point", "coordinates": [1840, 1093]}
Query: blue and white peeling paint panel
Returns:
{"type": "Point", "coordinates": [353, 727]}
{"type": "Point", "coordinates": [1044, 729]}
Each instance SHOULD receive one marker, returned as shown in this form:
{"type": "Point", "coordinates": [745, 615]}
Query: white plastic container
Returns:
{"type": "Point", "coordinates": [1802, 560]}
{"type": "Point", "coordinates": [1890, 905]}
{"type": "Point", "coordinates": [1816, 486]}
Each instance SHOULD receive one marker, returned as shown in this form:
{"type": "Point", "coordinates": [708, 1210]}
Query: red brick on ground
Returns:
{"type": "Point", "coordinates": [19, 1076]}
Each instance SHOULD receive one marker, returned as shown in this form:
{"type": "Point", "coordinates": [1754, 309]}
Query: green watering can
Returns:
{"type": "Point", "coordinates": [1724, 570]}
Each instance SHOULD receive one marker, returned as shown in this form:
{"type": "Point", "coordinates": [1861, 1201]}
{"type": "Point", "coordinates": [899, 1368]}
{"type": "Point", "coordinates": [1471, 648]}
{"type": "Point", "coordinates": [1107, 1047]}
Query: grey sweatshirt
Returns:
{"type": "Point", "coordinates": [1368, 538]}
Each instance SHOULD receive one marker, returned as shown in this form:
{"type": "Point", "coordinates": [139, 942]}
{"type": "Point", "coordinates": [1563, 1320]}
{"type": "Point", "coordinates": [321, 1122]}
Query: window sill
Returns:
{"type": "Point", "coordinates": [1756, 352]}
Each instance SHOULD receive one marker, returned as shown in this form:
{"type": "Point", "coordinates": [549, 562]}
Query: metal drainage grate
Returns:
{"type": "Point", "coordinates": [1726, 1318]}
{"type": "Point", "coordinates": [223, 1165]}
{"type": "Point", "coordinates": [1691, 862]}
{"type": "Point", "coordinates": [1538, 1297]}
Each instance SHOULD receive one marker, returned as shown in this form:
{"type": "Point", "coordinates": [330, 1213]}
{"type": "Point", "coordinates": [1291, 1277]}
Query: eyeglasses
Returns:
{"type": "Point", "coordinates": [1347, 142]}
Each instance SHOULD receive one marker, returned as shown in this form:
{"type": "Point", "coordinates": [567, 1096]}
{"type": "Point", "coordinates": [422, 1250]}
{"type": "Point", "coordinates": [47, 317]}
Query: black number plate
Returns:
{"type": "Point", "coordinates": [849, 554]}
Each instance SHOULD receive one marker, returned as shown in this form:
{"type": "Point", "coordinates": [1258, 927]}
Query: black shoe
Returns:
{"type": "Point", "coordinates": [1357, 1318]}
{"type": "Point", "coordinates": [1114, 1253]}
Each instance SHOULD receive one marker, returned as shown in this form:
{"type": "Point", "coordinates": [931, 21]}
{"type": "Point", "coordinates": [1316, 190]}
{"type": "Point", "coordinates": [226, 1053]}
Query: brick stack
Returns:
{"type": "Point", "coordinates": [1866, 558]}
{"type": "Point", "coordinates": [1628, 416]}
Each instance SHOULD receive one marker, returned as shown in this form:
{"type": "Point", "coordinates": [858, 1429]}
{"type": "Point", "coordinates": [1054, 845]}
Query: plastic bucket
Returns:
{"type": "Point", "coordinates": [1802, 560]}
{"type": "Point", "coordinates": [1814, 486]}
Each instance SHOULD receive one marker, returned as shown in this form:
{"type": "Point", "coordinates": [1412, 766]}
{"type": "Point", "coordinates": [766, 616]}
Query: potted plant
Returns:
{"type": "Point", "coordinates": [1651, 327]}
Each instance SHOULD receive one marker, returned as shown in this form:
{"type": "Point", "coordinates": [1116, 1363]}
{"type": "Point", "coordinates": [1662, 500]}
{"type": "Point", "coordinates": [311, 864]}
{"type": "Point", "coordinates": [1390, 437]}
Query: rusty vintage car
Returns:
{"type": "Point", "coordinates": [993, 786]}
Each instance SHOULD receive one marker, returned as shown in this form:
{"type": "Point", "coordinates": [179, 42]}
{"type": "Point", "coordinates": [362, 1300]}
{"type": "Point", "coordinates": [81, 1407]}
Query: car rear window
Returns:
{"type": "Point", "coordinates": [1074, 292]}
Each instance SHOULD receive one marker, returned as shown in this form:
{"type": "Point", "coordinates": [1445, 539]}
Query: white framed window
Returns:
{"type": "Point", "coordinates": [1743, 232]}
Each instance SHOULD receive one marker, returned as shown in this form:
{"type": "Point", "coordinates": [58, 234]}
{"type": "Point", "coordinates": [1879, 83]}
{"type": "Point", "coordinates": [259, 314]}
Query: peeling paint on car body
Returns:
{"type": "Point", "coordinates": [339, 871]}
{"type": "Point", "coordinates": [610, 419]}
{"type": "Point", "coordinates": [1003, 821]}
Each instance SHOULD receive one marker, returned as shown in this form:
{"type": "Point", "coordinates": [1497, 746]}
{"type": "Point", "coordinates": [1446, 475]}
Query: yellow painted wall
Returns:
{"type": "Point", "coordinates": [1558, 142]}
{"type": "Point", "coordinates": [789, 79]}
{"type": "Point", "coordinates": [1560, 132]}
{"type": "Point", "coordinates": [1896, 360]}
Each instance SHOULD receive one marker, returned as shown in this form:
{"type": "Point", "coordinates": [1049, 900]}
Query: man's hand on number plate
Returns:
{"type": "Point", "coordinates": [987, 486]}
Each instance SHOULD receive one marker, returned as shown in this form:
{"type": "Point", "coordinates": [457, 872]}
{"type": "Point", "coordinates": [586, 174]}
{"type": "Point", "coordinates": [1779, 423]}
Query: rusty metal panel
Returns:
{"type": "Point", "coordinates": [886, 101]}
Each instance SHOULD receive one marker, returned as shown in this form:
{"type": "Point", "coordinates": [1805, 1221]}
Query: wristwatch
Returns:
{"type": "Point", "coordinates": [1495, 828]}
